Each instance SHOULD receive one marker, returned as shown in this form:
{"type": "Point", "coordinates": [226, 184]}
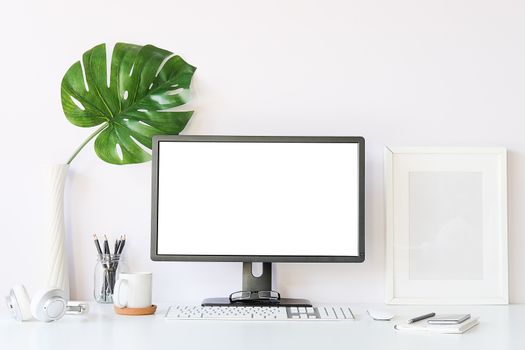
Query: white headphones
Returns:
{"type": "Point", "coordinates": [47, 304]}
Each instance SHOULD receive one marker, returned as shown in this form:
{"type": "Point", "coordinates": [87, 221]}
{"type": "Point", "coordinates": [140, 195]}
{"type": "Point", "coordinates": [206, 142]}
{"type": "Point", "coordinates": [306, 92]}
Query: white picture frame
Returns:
{"type": "Point", "coordinates": [446, 225]}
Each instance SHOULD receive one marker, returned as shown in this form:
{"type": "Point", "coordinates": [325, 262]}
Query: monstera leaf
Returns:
{"type": "Point", "coordinates": [145, 83]}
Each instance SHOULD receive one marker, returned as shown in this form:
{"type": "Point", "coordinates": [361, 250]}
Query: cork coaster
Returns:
{"type": "Point", "coordinates": [128, 311]}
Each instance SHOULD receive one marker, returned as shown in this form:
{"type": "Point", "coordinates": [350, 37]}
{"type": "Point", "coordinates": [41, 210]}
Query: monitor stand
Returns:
{"type": "Point", "coordinates": [255, 284]}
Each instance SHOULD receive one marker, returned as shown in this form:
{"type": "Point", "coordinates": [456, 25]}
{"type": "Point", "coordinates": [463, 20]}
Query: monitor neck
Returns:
{"type": "Point", "coordinates": [252, 283]}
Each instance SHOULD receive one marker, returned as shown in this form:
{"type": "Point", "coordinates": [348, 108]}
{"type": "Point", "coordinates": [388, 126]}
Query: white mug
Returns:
{"type": "Point", "coordinates": [133, 290]}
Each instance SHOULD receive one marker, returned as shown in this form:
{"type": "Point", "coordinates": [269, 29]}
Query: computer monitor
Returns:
{"type": "Point", "coordinates": [258, 199]}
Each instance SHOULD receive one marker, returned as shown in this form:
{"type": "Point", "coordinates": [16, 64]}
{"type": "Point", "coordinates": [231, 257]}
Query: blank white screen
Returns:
{"type": "Point", "coordinates": [236, 198]}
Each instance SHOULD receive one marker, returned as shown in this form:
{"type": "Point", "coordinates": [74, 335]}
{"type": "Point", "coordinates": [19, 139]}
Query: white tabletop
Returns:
{"type": "Point", "coordinates": [501, 327]}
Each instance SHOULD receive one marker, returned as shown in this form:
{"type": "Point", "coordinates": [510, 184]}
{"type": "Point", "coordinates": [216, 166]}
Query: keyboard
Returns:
{"type": "Point", "coordinates": [260, 313]}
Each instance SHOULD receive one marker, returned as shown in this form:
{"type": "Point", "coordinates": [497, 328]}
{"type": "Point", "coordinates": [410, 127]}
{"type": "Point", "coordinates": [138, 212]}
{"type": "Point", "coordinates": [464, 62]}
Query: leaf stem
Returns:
{"type": "Point", "coordinates": [86, 141]}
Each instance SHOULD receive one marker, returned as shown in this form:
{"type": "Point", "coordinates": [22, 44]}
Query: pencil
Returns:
{"type": "Point", "coordinates": [106, 245]}
{"type": "Point", "coordinates": [122, 243]}
{"type": "Point", "coordinates": [97, 244]}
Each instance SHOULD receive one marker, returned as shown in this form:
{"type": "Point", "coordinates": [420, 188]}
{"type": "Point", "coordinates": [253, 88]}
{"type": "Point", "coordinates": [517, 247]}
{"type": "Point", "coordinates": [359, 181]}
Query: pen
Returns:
{"type": "Point", "coordinates": [422, 317]}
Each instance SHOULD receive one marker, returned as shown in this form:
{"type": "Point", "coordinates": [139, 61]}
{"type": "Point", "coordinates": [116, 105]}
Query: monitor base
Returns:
{"type": "Point", "coordinates": [280, 302]}
{"type": "Point", "coordinates": [251, 283]}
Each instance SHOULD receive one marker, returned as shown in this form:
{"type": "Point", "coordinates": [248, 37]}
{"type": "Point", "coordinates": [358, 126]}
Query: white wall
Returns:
{"type": "Point", "coordinates": [397, 72]}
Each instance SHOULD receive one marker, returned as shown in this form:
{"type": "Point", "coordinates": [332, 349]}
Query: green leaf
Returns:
{"type": "Point", "coordinates": [145, 82]}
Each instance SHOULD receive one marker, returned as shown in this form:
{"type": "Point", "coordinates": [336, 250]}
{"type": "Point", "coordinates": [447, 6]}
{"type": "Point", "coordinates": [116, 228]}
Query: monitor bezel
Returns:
{"type": "Point", "coordinates": [155, 256]}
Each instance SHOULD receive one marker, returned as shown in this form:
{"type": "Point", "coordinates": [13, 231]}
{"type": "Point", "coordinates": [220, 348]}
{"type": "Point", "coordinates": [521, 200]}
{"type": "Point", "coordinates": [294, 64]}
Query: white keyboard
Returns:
{"type": "Point", "coordinates": [260, 313]}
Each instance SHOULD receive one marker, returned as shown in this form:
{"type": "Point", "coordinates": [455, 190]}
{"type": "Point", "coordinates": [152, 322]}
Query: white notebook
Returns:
{"type": "Point", "coordinates": [423, 326]}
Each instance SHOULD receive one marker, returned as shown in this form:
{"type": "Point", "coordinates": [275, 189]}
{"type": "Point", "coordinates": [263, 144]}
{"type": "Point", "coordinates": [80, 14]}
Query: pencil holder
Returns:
{"type": "Point", "coordinates": [107, 271]}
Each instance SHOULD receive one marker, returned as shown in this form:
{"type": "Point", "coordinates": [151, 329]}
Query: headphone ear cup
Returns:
{"type": "Point", "coordinates": [49, 304]}
{"type": "Point", "coordinates": [19, 303]}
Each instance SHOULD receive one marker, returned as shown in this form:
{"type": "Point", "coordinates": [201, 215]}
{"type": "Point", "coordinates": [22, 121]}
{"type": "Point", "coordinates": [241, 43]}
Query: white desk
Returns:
{"type": "Point", "coordinates": [501, 327]}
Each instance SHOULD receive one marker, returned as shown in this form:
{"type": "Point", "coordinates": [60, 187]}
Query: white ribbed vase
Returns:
{"type": "Point", "coordinates": [57, 271]}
